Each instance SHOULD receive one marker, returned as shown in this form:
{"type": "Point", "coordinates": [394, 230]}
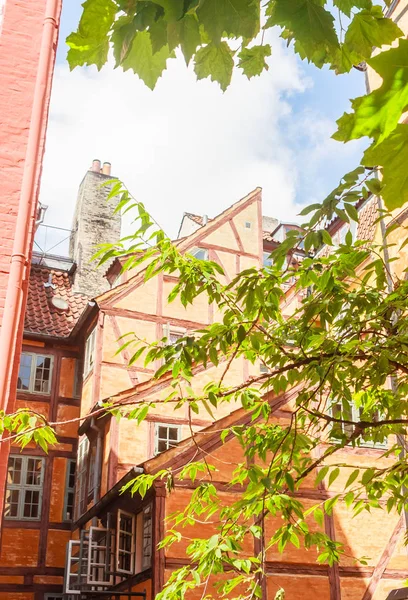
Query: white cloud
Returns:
{"type": "Point", "coordinates": [184, 147]}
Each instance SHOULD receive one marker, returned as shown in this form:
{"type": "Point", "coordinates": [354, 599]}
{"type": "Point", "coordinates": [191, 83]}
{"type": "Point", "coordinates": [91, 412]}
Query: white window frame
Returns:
{"type": "Point", "coordinates": [33, 367]}
{"type": "Point", "coordinates": [147, 540]}
{"type": "Point", "coordinates": [355, 416]}
{"type": "Point", "coordinates": [120, 550]}
{"type": "Point", "coordinates": [158, 439]}
{"type": "Point", "coordinates": [69, 490]}
{"type": "Point", "coordinates": [81, 495]}
{"type": "Point", "coordinates": [90, 352]}
{"type": "Point", "coordinates": [266, 258]}
{"type": "Point", "coordinates": [171, 330]}
{"type": "Point", "coordinates": [24, 487]}
{"type": "Point", "coordinates": [196, 250]}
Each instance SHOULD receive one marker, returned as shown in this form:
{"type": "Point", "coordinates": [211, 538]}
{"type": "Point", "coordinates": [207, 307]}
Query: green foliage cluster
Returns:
{"type": "Point", "coordinates": [218, 36]}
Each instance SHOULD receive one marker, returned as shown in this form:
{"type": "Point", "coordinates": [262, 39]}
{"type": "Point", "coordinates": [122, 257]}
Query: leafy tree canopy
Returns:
{"type": "Point", "coordinates": [219, 36]}
{"type": "Point", "coordinates": [344, 354]}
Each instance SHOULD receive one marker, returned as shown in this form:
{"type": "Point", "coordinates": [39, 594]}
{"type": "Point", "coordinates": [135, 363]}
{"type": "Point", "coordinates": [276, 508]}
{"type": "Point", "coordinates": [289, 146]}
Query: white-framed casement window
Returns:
{"type": "Point", "coordinates": [69, 491]}
{"type": "Point", "coordinates": [125, 543]}
{"type": "Point", "coordinates": [81, 477]}
{"type": "Point", "coordinates": [25, 475]}
{"type": "Point", "coordinates": [338, 430]}
{"type": "Point", "coordinates": [35, 373]}
{"type": "Point", "coordinates": [165, 437]}
{"type": "Point", "coordinates": [147, 545]}
{"type": "Point", "coordinates": [89, 352]}
{"type": "Point", "coordinates": [172, 333]}
{"type": "Point", "coordinates": [267, 259]}
{"type": "Point", "coordinates": [200, 253]}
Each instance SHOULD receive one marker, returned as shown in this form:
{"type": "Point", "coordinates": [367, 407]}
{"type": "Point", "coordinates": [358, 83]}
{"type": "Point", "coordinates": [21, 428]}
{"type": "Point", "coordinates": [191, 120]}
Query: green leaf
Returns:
{"type": "Point", "coordinates": [392, 156]}
{"type": "Point", "coordinates": [89, 45]}
{"type": "Point", "coordinates": [185, 32]}
{"type": "Point", "coordinates": [215, 62]}
{"type": "Point", "coordinates": [122, 38]}
{"type": "Point", "coordinates": [309, 24]}
{"type": "Point", "coordinates": [333, 475]}
{"type": "Point", "coordinates": [346, 5]}
{"type": "Point", "coordinates": [143, 62]}
{"type": "Point", "coordinates": [321, 475]}
{"type": "Point", "coordinates": [377, 114]}
{"type": "Point", "coordinates": [353, 476]}
{"type": "Point", "coordinates": [252, 60]}
{"type": "Point", "coordinates": [369, 28]}
{"type": "Point", "coordinates": [238, 18]}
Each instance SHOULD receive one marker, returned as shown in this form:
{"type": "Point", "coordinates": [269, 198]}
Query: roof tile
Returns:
{"type": "Point", "coordinates": [42, 317]}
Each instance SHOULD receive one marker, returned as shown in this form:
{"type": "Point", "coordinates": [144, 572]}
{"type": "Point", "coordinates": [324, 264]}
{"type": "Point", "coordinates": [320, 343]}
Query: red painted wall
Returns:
{"type": "Point", "coordinates": [20, 41]}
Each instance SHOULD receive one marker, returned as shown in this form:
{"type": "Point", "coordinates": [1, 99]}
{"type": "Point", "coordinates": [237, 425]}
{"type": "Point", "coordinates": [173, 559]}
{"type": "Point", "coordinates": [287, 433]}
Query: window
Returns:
{"type": "Point", "coordinates": [147, 537]}
{"type": "Point", "coordinates": [263, 368]}
{"type": "Point", "coordinates": [200, 253]}
{"type": "Point", "coordinates": [339, 430]}
{"type": "Point", "coordinates": [34, 375]}
{"type": "Point", "coordinates": [172, 334]}
{"type": "Point", "coordinates": [125, 545]}
{"type": "Point", "coordinates": [248, 225]}
{"type": "Point", "coordinates": [69, 491]}
{"type": "Point", "coordinates": [89, 352]}
{"type": "Point", "coordinates": [80, 489]}
{"type": "Point", "coordinates": [91, 469]}
{"type": "Point", "coordinates": [165, 437]}
{"type": "Point", "coordinates": [267, 260]}
{"type": "Point", "coordinates": [25, 476]}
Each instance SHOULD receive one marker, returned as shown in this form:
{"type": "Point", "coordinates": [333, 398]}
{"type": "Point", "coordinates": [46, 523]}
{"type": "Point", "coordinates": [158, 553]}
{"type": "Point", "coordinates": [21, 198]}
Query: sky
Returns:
{"type": "Point", "coordinates": [187, 146]}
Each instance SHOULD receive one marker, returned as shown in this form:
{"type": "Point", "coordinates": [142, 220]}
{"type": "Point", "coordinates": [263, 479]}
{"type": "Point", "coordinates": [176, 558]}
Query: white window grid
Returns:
{"type": "Point", "coordinates": [266, 258]}
{"type": "Point", "coordinates": [25, 476]}
{"type": "Point", "coordinates": [69, 491]}
{"type": "Point", "coordinates": [89, 352]}
{"type": "Point", "coordinates": [166, 436]}
{"type": "Point", "coordinates": [81, 481]}
{"type": "Point", "coordinates": [200, 253]}
{"type": "Point", "coordinates": [348, 429]}
{"type": "Point", "coordinates": [147, 537]}
{"type": "Point", "coordinates": [172, 334]}
{"type": "Point", "coordinates": [35, 373]}
{"type": "Point", "coordinates": [125, 542]}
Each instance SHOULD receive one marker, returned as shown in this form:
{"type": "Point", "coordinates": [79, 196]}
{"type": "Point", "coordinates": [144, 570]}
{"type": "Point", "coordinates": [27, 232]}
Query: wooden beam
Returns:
{"type": "Point", "coordinates": [384, 560]}
{"type": "Point", "coordinates": [236, 235]}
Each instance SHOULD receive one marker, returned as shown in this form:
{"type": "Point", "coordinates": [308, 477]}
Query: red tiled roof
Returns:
{"type": "Point", "coordinates": [41, 316]}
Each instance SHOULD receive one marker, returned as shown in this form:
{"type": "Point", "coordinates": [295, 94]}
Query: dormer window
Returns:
{"type": "Point", "coordinates": [200, 253]}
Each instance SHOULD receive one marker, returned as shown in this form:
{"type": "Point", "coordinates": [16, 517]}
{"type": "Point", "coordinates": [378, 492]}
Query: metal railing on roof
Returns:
{"type": "Point", "coordinates": [50, 239]}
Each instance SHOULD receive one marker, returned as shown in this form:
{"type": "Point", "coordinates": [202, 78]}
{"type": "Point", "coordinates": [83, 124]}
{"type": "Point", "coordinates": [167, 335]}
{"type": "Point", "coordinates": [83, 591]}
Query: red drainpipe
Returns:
{"type": "Point", "coordinates": [22, 247]}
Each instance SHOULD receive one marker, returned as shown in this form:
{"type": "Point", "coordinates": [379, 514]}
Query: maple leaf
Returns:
{"type": "Point", "coordinates": [89, 45]}
{"type": "Point", "coordinates": [377, 114]}
{"type": "Point", "coordinates": [392, 156]}
{"type": "Point", "coordinates": [346, 5]}
{"type": "Point", "coordinates": [308, 24]}
{"type": "Point", "coordinates": [215, 61]}
{"type": "Point", "coordinates": [232, 17]}
{"type": "Point", "coordinates": [369, 28]}
{"type": "Point", "coordinates": [186, 33]}
{"type": "Point", "coordinates": [252, 60]}
{"type": "Point", "coordinates": [141, 59]}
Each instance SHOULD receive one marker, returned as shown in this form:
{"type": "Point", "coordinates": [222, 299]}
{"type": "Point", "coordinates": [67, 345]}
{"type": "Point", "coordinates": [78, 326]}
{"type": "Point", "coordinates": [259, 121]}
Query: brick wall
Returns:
{"type": "Point", "coordinates": [20, 42]}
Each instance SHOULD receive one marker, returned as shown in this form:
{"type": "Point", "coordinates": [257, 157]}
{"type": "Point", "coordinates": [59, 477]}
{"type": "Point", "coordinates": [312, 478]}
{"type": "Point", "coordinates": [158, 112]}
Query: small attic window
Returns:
{"type": "Point", "coordinates": [200, 253]}
{"type": "Point", "coordinates": [248, 224]}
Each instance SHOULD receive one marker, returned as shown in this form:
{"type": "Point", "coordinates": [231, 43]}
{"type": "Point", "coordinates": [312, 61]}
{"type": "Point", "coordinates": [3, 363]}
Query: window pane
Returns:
{"type": "Point", "coordinates": [14, 470]}
{"type": "Point", "coordinates": [31, 504]}
{"type": "Point", "coordinates": [34, 466]}
{"type": "Point", "coordinates": [162, 446]}
{"type": "Point", "coordinates": [173, 433]}
{"type": "Point", "coordinates": [23, 382]}
{"type": "Point", "coordinates": [162, 432]}
{"type": "Point", "coordinates": [11, 505]}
